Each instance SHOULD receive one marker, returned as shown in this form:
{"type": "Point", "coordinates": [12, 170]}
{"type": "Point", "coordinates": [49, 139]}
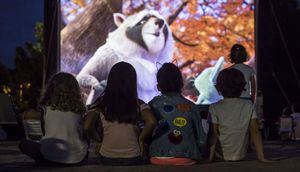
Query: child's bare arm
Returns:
{"type": "Point", "coordinates": [89, 125]}
{"type": "Point", "coordinates": [257, 140]}
{"type": "Point", "coordinates": [150, 123]}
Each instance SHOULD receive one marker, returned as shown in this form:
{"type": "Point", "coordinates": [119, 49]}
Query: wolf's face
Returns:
{"type": "Point", "coordinates": [147, 29]}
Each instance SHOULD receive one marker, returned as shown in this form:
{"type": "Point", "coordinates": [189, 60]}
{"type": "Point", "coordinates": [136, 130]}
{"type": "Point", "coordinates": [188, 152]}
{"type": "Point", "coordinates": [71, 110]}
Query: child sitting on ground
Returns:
{"type": "Point", "coordinates": [117, 113]}
{"type": "Point", "coordinates": [31, 119]}
{"type": "Point", "coordinates": [287, 125]}
{"type": "Point", "coordinates": [232, 117]}
{"type": "Point", "coordinates": [179, 138]}
{"type": "Point", "coordinates": [63, 142]}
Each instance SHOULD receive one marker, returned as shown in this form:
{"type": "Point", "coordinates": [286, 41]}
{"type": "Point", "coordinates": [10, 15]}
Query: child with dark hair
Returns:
{"type": "Point", "coordinates": [238, 55]}
{"type": "Point", "coordinates": [117, 113]}
{"type": "Point", "coordinates": [179, 138]}
{"type": "Point", "coordinates": [63, 142]}
{"type": "Point", "coordinates": [287, 125]}
{"type": "Point", "coordinates": [232, 117]}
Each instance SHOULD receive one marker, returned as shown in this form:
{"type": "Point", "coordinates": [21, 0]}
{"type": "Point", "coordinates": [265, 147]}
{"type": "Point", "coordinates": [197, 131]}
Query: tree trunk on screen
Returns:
{"type": "Point", "coordinates": [83, 36]}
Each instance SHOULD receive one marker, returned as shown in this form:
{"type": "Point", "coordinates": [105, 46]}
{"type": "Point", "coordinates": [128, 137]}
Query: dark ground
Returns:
{"type": "Point", "coordinates": [288, 154]}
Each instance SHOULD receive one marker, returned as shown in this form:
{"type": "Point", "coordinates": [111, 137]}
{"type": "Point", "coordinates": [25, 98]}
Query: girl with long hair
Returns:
{"type": "Point", "coordinates": [119, 111]}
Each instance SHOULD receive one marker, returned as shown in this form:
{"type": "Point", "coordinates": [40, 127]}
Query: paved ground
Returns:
{"type": "Point", "coordinates": [288, 155]}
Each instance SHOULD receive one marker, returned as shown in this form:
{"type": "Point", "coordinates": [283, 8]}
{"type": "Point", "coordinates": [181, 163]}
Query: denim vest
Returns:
{"type": "Point", "coordinates": [179, 132]}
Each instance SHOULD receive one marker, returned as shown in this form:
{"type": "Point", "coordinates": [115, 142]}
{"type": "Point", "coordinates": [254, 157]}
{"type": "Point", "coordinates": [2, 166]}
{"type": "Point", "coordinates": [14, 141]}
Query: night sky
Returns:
{"type": "Point", "coordinates": [17, 21]}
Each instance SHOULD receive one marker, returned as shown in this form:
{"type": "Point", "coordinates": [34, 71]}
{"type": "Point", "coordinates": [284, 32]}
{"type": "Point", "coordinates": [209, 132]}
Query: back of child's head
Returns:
{"type": "Point", "coordinates": [169, 78]}
{"type": "Point", "coordinates": [238, 54]}
{"type": "Point", "coordinates": [120, 102]}
{"type": "Point", "coordinates": [286, 111]}
{"type": "Point", "coordinates": [296, 107]}
{"type": "Point", "coordinates": [230, 83]}
{"type": "Point", "coordinates": [63, 94]}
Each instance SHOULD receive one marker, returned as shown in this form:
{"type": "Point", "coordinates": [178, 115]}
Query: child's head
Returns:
{"type": "Point", "coordinates": [238, 54]}
{"type": "Point", "coordinates": [120, 100]}
{"type": "Point", "coordinates": [296, 107]}
{"type": "Point", "coordinates": [230, 83]}
{"type": "Point", "coordinates": [287, 111]}
{"type": "Point", "coordinates": [169, 79]}
{"type": "Point", "coordinates": [63, 94]}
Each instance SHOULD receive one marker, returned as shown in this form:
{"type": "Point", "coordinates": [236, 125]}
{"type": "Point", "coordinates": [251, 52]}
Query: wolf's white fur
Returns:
{"type": "Point", "coordinates": [119, 47]}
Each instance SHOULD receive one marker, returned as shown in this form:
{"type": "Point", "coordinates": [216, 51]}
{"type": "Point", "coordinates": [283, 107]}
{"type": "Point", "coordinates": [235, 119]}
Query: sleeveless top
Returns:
{"type": "Point", "coordinates": [63, 141]}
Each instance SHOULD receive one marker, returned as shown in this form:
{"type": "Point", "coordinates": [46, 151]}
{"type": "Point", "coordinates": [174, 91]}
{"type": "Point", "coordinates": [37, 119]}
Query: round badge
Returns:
{"type": "Point", "coordinates": [163, 124]}
{"type": "Point", "coordinates": [179, 121]}
{"type": "Point", "coordinates": [168, 108]}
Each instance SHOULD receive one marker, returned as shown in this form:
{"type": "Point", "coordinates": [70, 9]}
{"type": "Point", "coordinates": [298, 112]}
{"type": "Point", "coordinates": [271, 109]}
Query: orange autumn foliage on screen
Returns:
{"type": "Point", "coordinates": [215, 25]}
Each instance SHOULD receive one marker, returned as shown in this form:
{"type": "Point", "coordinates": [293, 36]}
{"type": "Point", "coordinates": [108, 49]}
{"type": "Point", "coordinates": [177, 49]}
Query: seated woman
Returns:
{"type": "Point", "coordinates": [116, 114]}
{"type": "Point", "coordinates": [63, 142]}
{"type": "Point", "coordinates": [179, 138]}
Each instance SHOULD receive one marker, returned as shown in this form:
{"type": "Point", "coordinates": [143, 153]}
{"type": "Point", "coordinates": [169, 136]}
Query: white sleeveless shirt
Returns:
{"type": "Point", "coordinates": [63, 140]}
{"type": "Point", "coordinates": [248, 72]}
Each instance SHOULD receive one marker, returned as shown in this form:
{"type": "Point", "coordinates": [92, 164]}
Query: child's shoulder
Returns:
{"type": "Point", "coordinates": [242, 66]}
{"type": "Point", "coordinates": [286, 116]}
{"type": "Point", "coordinates": [174, 99]}
{"type": "Point", "coordinates": [233, 101]}
{"type": "Point", "coordinates": [94, 110]}
{"type": "Point", "coordinates": [245, 101]}
{"type": "Point", "coordinates": [155, 99]}
{"type": "Point", "coordinates": [247, 67]}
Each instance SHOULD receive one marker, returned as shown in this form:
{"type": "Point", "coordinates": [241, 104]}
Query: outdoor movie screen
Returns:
{"type": "Point", "coordinates": [203, 31]}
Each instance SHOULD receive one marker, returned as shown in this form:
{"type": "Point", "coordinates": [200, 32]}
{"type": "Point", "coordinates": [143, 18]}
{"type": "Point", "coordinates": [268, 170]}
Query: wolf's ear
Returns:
{"type": "Point", "coordinates": [119, 18]}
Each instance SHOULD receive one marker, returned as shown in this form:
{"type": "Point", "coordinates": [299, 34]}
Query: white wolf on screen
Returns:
{"type": "Point", "coordinates": [143, 40]}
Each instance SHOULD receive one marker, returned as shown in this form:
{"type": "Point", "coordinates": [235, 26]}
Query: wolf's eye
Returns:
{"type": "Point", "coordinates": [144, 20]}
